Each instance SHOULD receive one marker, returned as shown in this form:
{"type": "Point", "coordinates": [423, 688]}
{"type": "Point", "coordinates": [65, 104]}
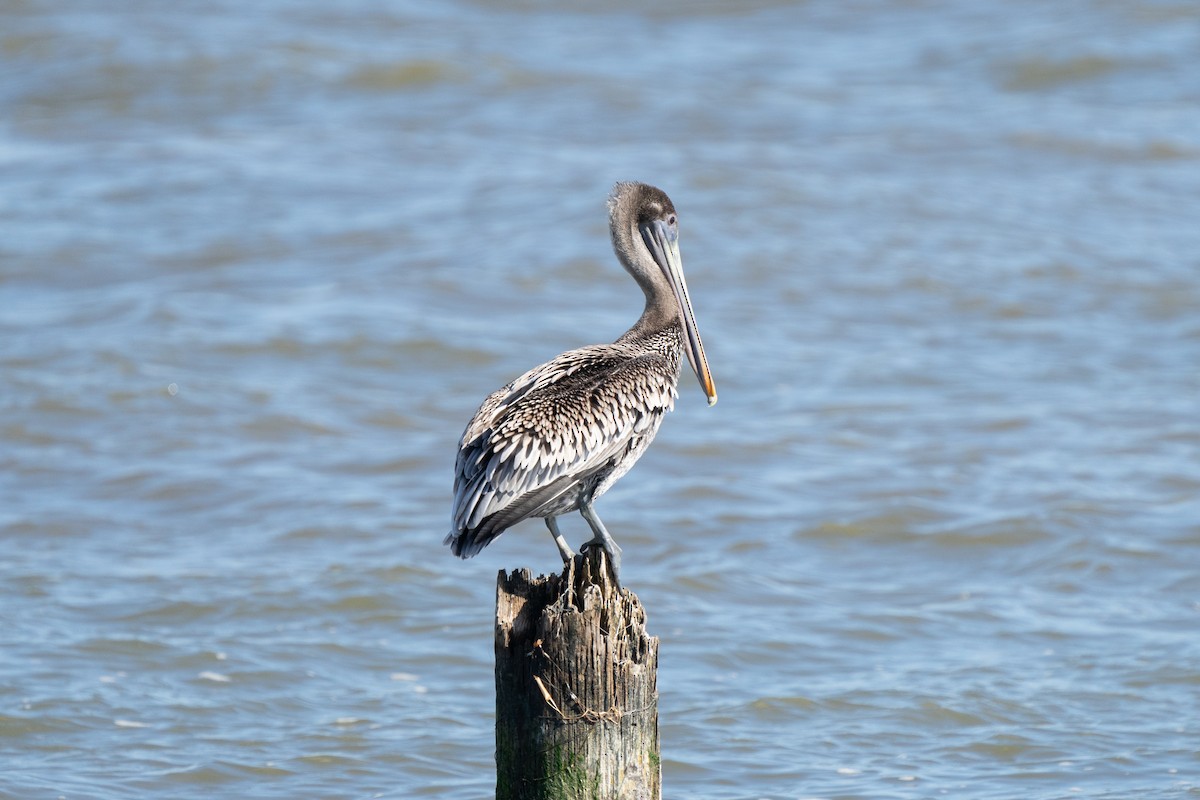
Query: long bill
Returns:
{"type": "Point", "coordinates": [664, 245]}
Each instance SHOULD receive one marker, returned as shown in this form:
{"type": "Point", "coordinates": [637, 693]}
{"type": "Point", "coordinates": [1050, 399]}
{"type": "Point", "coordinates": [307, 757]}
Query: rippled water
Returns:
{"type": "Point", "coordinates": [259, 263]}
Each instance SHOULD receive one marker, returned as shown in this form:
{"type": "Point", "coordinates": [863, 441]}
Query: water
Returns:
{"type": "Point", "coordinates": [258, 265]}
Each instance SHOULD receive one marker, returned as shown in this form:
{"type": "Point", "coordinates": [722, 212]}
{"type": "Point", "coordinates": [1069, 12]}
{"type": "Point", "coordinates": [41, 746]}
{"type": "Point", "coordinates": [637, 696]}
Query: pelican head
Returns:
{"type": "Point", "coordinates": [645, 235]}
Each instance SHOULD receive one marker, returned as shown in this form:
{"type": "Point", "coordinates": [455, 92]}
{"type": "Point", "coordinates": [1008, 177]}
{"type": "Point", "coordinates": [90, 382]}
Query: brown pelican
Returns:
{"type": "Point", "coordinates": [559, 436]}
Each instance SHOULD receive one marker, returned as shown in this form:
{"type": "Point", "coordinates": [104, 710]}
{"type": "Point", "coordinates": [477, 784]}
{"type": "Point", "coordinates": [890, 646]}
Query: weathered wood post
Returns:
{"type": "Point", "coordinates": [576, 688]}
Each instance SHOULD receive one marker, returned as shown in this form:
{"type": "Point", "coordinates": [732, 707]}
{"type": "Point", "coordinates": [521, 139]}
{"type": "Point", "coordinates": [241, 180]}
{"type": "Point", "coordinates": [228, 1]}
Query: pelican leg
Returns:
{"type": "Point", "coordinates": [564, 549]}
{"type": "Point", "coordinates": [602, 538]}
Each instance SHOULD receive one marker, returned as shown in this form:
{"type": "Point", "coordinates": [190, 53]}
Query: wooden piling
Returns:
{"type": "Point", "coordinates": [576, 688]}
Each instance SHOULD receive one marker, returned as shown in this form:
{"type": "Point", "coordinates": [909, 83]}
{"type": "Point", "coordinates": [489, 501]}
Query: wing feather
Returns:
{"type": "Point", "coordinates": [548, 432]}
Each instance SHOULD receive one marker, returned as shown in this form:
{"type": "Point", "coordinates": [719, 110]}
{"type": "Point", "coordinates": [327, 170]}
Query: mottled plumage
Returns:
{"type": "Point", "coordinates": [559, 436]}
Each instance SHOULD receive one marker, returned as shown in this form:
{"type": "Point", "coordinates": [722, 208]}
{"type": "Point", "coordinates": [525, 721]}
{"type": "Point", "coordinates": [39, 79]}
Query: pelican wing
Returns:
{"type": "Point", "coordinates": [550, 431]}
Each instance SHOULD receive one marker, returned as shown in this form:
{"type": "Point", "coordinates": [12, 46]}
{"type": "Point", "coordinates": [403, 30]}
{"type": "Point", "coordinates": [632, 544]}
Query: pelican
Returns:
{"type": "Point", "coordinates": [558, 437]}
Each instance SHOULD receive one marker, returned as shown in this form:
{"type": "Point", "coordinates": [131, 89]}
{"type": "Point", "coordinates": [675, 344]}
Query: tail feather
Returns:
{"type": "Point", "coordinates": [467, 543]}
